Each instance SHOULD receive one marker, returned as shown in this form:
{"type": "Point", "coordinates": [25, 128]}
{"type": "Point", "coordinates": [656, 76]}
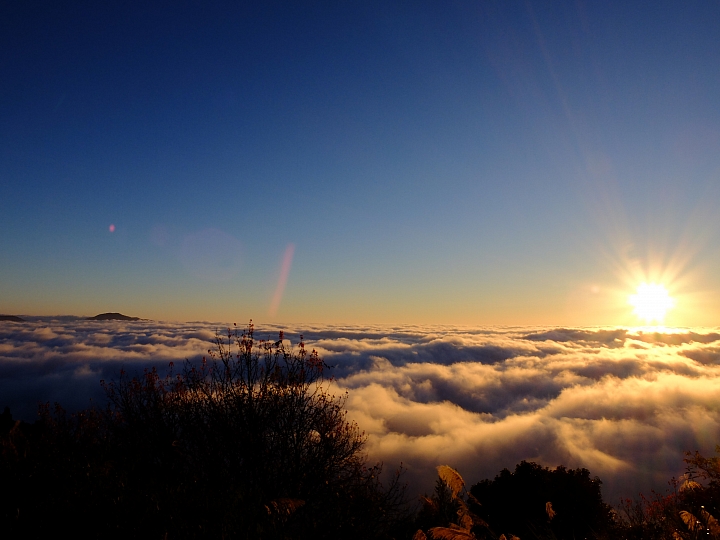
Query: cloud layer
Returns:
{"type": "Point", "coordinates": [623, 403]}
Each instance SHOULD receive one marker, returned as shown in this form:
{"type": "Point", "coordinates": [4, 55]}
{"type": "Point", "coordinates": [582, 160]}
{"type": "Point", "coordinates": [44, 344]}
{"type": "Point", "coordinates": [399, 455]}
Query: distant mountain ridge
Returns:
{"type": "Point", "coordinates": [113, 317]}
{"type": "Point", "coordinates": [11, 318]}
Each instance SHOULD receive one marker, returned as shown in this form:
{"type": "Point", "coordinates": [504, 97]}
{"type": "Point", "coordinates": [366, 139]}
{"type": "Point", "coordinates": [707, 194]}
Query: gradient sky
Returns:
{"type": "Point", "coordinates": [492, 162]}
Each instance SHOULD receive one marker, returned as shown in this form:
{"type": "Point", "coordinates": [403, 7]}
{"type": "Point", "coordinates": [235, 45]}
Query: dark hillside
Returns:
{"type": "Point", "coordinates": [113, 317]}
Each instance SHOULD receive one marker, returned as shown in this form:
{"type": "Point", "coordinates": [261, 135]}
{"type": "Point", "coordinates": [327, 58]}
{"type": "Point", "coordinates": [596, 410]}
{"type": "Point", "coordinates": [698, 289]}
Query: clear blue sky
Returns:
{"type": "Point", "coordinates": [431, 162]}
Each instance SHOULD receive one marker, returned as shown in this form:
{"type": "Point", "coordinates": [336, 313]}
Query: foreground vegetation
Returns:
{"type": "Point", "coordinates": [535, 502]}
{"type": "Point", "coordinates": [251, 444]}
{"type": "Point", "coordinates": [248, 444]}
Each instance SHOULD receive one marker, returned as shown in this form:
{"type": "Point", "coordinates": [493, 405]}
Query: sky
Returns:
{"type": "Point", "coordinates": [360, 162]}
{"type": "Point", "coordinates": [623, 403]}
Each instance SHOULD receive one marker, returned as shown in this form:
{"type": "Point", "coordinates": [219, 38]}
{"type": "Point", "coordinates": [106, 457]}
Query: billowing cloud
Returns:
{"type": "Point", "coordinates": [624, 403]}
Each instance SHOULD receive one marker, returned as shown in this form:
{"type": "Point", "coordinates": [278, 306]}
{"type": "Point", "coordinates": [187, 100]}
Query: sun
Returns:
{"type": "Point", "coordinates": [651, 302]}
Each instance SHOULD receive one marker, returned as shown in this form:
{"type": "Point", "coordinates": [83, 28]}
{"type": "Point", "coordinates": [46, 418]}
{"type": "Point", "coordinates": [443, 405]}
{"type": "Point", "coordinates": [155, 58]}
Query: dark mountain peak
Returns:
{"type": "Point", "coordinates": [112, 317]}
{"type": "Point", "coordinates": [12, 318]}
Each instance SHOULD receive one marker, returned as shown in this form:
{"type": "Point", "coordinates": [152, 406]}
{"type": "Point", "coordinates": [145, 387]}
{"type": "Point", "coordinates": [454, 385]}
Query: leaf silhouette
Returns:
{"type": "Point", "coordinates": [446, 533]}
{"type": "Point", "coordinates": [690, 520]}
{"type": "Point", "coordinates": [419, 535]}
{"type": "Point", "coordinates": [452, 478]}
{"type": "Point", "coordinates": [283, 507]}
{"type": "Point", "coordinates": [549, 509]}
{"type": "Point", "coordinates": [468, 518]}
{"type": "Point", "coordinates": [711, 522]}
{"type": "Point", "coordinates": [429, 503]}
{"type": "Point", "coordinates": [689, 484]}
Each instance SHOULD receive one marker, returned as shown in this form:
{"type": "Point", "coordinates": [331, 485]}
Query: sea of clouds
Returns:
{"type": "Point", "coordinates": [624, 403]}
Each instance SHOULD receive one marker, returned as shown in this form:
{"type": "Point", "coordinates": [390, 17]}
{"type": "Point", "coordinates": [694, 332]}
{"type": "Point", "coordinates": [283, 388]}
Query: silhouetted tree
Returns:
{"type": "Point", "coordinates": [536, 502]}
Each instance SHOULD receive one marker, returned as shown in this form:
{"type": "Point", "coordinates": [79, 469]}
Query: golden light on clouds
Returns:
{"type": "Point", "coordinates": [651, 302]}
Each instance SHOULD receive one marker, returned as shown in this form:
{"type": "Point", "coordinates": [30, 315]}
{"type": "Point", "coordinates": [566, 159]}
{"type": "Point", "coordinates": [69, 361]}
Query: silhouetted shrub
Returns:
{"type": "Point", "coordinates": [247, 444]}
{"type": "Point", "coordinates": [701, 486]}
{"type": "Point", "coordinates": [687, 511]}
{"type": "Point", "coordinates": [653, 517]}
{"type": "Point", "coordinates": [54, 475]}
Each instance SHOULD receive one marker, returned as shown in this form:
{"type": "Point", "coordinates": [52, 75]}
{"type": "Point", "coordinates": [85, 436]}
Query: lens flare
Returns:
{"type": "Point", "coordinates": [651, 302]}
{"type": "Point", "coordinates": [282, 280]}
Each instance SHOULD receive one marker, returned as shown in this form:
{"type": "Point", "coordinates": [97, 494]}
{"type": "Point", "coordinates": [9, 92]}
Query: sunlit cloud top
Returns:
{"type": "Point", "coordinates": [625, 403]}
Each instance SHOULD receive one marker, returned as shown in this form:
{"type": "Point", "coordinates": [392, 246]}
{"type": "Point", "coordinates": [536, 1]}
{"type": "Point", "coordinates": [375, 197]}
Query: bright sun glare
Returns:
{"type": "Point", "coordinates": [651, 302]}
